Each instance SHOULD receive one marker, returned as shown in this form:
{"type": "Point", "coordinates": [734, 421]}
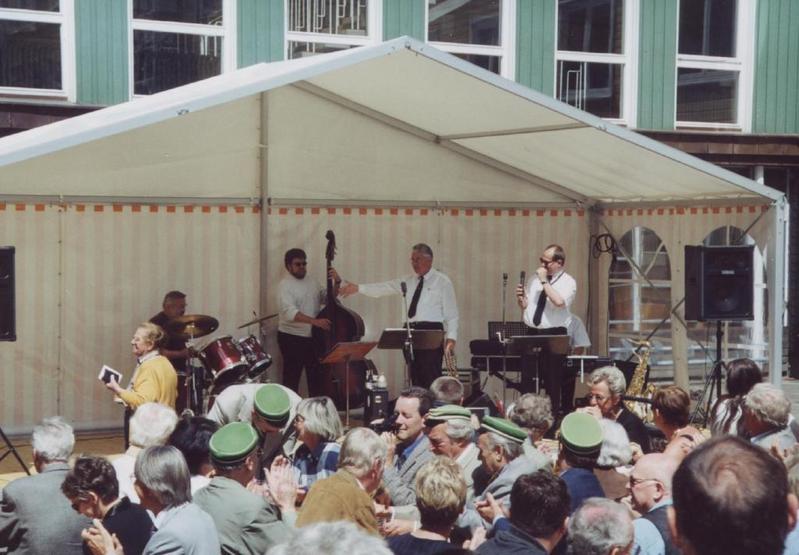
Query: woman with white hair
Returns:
{"type": "Point", "coordinates": [605, 400]}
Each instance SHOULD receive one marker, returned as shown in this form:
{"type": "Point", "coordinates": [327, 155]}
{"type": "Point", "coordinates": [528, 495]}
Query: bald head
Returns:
{"type": "Point", "coordinates": [659, 467]}
{"type": "Point", "coordinates": [650, 481]}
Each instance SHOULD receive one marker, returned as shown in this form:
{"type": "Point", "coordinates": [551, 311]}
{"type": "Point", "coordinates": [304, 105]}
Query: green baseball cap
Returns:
{"type": "Point", "coordinates": [505, 428]}
{"type": "Point", "coordinates": [272, 403]}
{"type": "Point", "coordinates": [581, 433]}
{"type": "Point", "coordinates": [233, 442]}
{"type": "Point", "coordinates": [447, 413]}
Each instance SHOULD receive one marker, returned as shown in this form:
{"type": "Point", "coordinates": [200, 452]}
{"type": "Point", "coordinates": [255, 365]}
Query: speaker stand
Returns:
{"type": "Point", "coordinates": [11, 450]}
{"type": "Point", "coordinates": [712, 381]}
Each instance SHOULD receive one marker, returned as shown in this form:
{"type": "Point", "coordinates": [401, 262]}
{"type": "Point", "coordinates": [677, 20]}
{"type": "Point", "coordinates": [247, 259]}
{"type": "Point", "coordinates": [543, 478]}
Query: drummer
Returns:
{"type": "Point", "coordinates": [174, 347]}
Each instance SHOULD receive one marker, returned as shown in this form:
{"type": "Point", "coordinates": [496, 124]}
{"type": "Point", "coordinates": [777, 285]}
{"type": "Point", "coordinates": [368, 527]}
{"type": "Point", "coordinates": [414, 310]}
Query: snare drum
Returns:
{"type": "Point", "coordinates": [224, 361]}
{"type": "Point", "coordinates": [258, 360]}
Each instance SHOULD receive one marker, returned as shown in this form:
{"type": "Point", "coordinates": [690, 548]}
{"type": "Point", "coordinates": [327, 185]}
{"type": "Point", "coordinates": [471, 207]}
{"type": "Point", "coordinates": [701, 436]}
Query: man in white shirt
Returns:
{"type": "Point", "coordinates": [299, 300]}
{"type": "Point", "coordinates": [431, 305]}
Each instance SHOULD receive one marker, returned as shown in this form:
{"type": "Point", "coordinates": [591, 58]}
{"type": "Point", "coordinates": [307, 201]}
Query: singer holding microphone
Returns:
{"type": "Point", "coordinates": [431, 306]}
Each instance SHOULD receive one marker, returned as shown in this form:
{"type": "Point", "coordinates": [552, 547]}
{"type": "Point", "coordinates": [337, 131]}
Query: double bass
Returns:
{"type": "Point", "coordinates": [345, 325]}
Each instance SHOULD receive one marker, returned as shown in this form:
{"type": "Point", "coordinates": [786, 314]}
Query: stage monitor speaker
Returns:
{"type": "Point", "coordinates": [719, 283]}
{"type": "Point", "coordinates": [8, 319]}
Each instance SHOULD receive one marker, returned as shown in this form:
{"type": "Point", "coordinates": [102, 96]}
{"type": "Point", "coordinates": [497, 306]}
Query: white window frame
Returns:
{"type": "Point", "coordinates": [227, 31]}
{"type": "Point", "coordinates": [743, 63]}
{"type": "Point", "coordinates": [374, 27]}
{"type": "Point", "coordinates": [66, 19]}
{"type": "Point", "coordinates": [506, 51]}
{"type": "Point", "coordinates": [628, 60]}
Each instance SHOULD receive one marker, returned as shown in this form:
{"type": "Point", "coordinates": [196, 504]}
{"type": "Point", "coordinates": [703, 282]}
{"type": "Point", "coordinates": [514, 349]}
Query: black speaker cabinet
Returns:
{"type": "Point", "coordinates": [8, 317]}
{"type": "Point", "coordinates": [719, 283]}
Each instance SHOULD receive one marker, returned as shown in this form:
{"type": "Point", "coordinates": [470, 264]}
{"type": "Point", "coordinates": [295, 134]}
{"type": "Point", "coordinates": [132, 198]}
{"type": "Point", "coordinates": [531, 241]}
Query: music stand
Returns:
{"type": "Point", "coordinates": [346, 352]}
{"type": "Point", "coordinates": [530, 348]}
{"type": "Point", "coordinates": [420, 340]}
{"type": "Point", "coordinates": [11, 450]}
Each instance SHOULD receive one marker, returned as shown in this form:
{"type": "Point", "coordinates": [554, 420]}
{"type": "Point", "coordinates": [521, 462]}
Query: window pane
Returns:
{"type": "Point", "coordinates": [342, 17]}
{"type": "Point", "coordinates": [491, 63]}
{"type": "Point", "coordinates": [470, 22]}
{"type": "Point", "coordinates": [302, 49]}
{"type": "Point", "coordinates": [206, 12]}
{"type": "Point", "coordinates": [707, 95]}
{"type": "Point", "coordinates": [591, 26]}
{"type": "Point", "coordinates": [165, 60]}
{"type": "Point", "coordinates": [30, 54]}
{"type": "Point", "coordinates": [592, 87]}
{"type": "Point", "coordinates": [707, 27]}
{"type": "Point", "coordinates": [42, 5]}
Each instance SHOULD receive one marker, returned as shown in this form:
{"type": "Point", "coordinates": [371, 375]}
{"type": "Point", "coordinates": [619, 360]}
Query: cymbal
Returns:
{"type": "Point", "coordinates": [192, 325]}
{"type": "Point", "coordinates": [259, 319]}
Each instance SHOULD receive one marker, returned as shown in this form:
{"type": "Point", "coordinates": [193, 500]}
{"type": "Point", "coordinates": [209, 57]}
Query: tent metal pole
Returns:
{"type": "Point", "coordinates": [776, 287]}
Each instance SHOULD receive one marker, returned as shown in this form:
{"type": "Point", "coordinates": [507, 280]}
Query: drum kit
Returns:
{"type": "Point", "coordinates": [216, 364]}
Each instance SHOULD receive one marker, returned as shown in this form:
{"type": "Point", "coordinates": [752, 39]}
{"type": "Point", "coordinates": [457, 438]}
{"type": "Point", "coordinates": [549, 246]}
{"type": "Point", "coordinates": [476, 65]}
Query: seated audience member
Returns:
{"type": "Point", "coordinates": [191, 437]}
{"type": "Point", "coordinates": [731, 498]}
{"type": "Point", "coordinates": [347, 494]}
{"type": "Point", "coordinates": [671, 408]}
{"type": "Point", "coordinates": [408, 448]}
{"type": "Point", "coordinates": [318, 426]}
{"type": "Point", "coordinates": [767, 411]}
{"type": "Point", "coordinates": [650, 490]}
{"type": "Point", "coordinates": [150, 425]}
{"type": "Point", "coordinates": [539, 510]}
{"type": "Point", "coordinates": [447, 390]}
{"type": "Point", "coordinates": [273, 410]}
{"type": "Point", "coordinates": [449, 430]}
{"type": "Point", "coordinates": [615, 455]}
{"type": "Point", "coordinates": [600, 527]}
{"type": "Point", "coordinates": [332, 538]}
{"type": "Point", "coordinates": [741, 376]}
{"type": "Point", "coordinates": [92, 488]}
{"type": "Point", "coordinates": [440, 496]}
{"type": "Point", "coordinates": [245, 521]}
{"type": "Point", "coordinates": [500, 444]}
{"type": "Point", "coordinates": [532, 413]}
{"type": "Point", "coordinates": [34, 516]}
{"type": "Point", "coordinates": [792, 466]}
{"type": "Point", "coordinates": [580, 442]}
{"type": "Point", "coordinates": [607, 387]}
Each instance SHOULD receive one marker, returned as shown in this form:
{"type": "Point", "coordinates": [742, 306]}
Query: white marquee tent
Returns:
{"type": "Point", "coordinates": [202, 188]}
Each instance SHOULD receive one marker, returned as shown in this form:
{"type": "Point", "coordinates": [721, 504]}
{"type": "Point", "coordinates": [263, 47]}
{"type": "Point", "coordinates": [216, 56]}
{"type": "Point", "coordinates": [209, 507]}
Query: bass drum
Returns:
{"type": "Point", "coordinates": [225, 362]}
{"type": "Point", "coordinates": [255, 355]}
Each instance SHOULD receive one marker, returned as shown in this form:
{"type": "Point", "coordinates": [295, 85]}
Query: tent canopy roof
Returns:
{"type": "Point", "coordinates": [420, 90]}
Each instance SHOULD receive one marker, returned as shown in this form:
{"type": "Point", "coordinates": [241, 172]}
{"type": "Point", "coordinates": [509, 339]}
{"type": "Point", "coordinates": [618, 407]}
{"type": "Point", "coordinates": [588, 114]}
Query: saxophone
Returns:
{"type": "Point", "coordinates": [638, 387]}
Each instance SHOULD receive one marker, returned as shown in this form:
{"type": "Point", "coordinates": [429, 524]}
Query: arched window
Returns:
{"type": "Point", "coordinates": [639, 299]}
{"type": "Point", "coordinates": [741, 338]}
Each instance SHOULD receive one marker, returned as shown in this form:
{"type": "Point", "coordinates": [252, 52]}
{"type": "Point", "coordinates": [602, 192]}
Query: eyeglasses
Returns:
{"type": "Point", "coordinates": [76, 504]}
{"type": "Point", "coordinates": [545, 262]}
{"type": "Point", "coordinates": [598, 398]}
{"type": "Point", "coordinates": [637, 481]}
{"type": "Point", "coordinates": [299, 263]}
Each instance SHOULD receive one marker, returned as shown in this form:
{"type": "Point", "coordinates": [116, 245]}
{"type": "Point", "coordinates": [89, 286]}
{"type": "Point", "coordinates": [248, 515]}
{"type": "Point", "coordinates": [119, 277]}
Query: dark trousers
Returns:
{"type": "Point", "coordinates": [298, 353]}
{"type": "Point", "coordinates": [426, 365]}
{"type": "Point", "coordinates": [549, 371]}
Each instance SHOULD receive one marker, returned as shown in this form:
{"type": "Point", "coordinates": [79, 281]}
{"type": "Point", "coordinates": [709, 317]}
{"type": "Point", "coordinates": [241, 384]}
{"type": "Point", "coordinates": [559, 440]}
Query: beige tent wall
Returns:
{"type": "Point", "coordinates": [677, 227]}
{"type": "Point", "coordinates": [472, 246]}
{"type": "Point", "coordinates": [88, 274]}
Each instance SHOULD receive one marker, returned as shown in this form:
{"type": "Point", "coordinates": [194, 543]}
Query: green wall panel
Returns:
{"type": "Point", "coordinates": [101, 51]}
{"type": "Point", "coordinates": [535, 44]}
{"type": "Point", "coordinates": [776, 86]}
{"type": "Point", "coordinates": [403, 17]}
{"type": "Point", "coordinates": [657, 60]}
{"type": "Point", "coordinates": [260, 31]}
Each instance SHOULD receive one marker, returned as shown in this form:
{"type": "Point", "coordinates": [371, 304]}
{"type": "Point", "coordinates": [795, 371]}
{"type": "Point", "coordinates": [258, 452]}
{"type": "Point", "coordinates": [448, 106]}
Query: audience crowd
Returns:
{"type": "Point", "coordinates": [269, 472]}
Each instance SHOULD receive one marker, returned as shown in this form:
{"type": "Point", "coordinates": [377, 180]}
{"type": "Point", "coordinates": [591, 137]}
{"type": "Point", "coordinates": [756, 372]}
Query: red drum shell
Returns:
{"type": "Point", "coordinates": [225, 361]}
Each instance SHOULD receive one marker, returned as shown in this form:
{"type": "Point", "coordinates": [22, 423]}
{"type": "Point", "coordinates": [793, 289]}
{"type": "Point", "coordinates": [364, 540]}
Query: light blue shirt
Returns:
{"type": "Point", "coordinates": [792, 542]}
{"type": "Point", "coordinates": [648, 540]}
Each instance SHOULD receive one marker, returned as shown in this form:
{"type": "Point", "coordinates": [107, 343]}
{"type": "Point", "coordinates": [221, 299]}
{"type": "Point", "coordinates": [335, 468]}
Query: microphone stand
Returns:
{"type": "Point", "coordinates": [504, 296]}
{"type": "Point", "coordinates": [407, 348]}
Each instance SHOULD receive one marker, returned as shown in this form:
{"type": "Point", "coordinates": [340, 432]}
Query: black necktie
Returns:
{"type": "Point", "coordinates": [415, 300]}
{"type": "Point", "coordinates": [539, 307]}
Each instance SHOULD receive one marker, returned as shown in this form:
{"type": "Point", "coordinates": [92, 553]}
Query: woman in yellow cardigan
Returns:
{"type": "Point", "coordinates": [154, 379]}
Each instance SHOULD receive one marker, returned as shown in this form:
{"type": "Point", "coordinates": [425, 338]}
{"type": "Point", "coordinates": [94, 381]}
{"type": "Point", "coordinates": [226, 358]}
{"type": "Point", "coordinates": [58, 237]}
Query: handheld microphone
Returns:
{"type": "Point", "coordinates": [522, 278]}
{"type": "Point", "coordinates": [404, 288]}
{"type": "Point", "coordinates": [504, 277]}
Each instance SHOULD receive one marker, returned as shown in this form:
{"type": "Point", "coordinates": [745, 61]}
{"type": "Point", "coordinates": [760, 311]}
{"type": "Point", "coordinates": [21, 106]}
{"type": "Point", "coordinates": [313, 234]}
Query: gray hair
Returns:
{"type": "Point", "coordinates": [424, 249]}
{"type": "Point", "coordinates": [164, 472]}
{"type": "Point", "coordinates": [532, 412]}
{"type": "Point", "coordinates": [613, 377]}
{"type": "Point", "coordinates": [448, 389]}
{"type": "Point", "coordinates": [321, 417]}
{"type": "Point", "coordinates": [152, 424]}
{"type": "Point", "coordinates": [332, 538]}
{"type": "Point", "coordinates": [769, 404]}
{"type": "Point", "coordinates": [360, 449]}
{"type": "Point", "coordinates": [615, 450]}
{"type": "Point", "coordinates": [598, 526]}
{"type": "Point", "coordinates": [53, 439]}
{"type": "Point", "coordinates": [510, 448]}
{"type": "Point", "coordinates": [459, 429]}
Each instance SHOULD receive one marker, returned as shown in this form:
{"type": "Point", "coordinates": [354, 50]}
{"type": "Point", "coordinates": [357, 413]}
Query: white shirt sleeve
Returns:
{"type": "Point", "coordinates": [383, 289]}
{"type": "Point", "coordinates": [287, 303]}
{"type": "Point", "coordinates": [450, 307]}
